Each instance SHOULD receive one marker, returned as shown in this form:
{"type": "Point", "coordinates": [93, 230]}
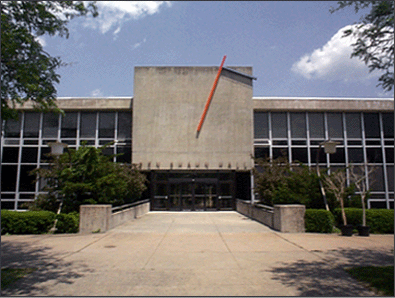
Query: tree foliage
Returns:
{"type": "Point", "coordinates": [375, 37]}
{"type": "Point", "coordinates": [27, 71]}
{"type": "Point", "coordinates": [279, 182]}
{"type": "Point", "coordinates": [86, 176]}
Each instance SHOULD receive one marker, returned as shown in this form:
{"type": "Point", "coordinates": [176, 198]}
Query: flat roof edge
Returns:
{"type": "Point", "coordinates": [319, 98]}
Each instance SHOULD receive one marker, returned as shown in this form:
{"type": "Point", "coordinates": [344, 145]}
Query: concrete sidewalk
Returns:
{"type": "Point", "coordinates": [192, 254]}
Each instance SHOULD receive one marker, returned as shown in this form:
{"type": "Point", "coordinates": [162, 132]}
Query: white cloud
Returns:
{"type": "Point", "coordinates": [96, 93]}
{"type": "Point", "coordinates": [41, 40]}
{"type": "Point", "coordinates": [332, 62]}
{"type": "Point", "coordinates": [115, 13]}
{"type": "Point", "coordinates": [138, 44]}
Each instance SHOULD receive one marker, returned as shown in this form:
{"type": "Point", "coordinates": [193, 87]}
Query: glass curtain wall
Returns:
{"type": "Point", "coordinates": [24, 146]}
{"type": "Point", "coordinates": [364, 138]}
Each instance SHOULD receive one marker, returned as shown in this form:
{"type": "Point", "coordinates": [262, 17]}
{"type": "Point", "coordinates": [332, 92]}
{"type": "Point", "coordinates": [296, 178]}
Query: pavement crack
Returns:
{"type": "Point", "coordinates": [160, 242]}
{"type": "Point", "coordinates": [226, 245]}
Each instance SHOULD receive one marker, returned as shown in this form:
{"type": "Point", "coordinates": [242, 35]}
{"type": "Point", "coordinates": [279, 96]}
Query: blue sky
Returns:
{"type": "Point", "coordinates": [295, 48]}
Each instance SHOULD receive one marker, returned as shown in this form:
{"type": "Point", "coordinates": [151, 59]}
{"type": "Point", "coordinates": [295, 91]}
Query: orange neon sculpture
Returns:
{"type": "Point", "coordinates": [210, 97]}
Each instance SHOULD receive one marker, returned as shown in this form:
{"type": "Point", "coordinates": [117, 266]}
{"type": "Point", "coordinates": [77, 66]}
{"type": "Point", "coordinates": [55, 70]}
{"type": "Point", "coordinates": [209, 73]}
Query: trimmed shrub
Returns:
{"type": "Point", "coordinates": [380, 221]}
{"type": "Point", "coordinates": [67, 223]}
{"type": "Point", "coordinates": [37, 222]}
{"type": "Point", "coordinates": [29, 222]}
{"type": "Point", "coordinates": [319, 221]}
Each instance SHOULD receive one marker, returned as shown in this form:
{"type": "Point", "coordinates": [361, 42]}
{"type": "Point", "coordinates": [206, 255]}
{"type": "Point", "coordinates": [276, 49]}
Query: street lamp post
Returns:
{"type": "Point", "coordinates": [329, 147]}
{"type": "Point", "coordinates": [57, 150]}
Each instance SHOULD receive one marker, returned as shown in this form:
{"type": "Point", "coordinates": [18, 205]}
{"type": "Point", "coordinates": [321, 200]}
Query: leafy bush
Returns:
{"type": "Point", "coordinates": [37, 222]}
{"type": "Point", "coordinates": [30, 222]}
{"type": "Point", "coordinates": [67, 223]}
{"type": "Point", "coordinates": [319, 221]}
{"type": "Point", "coordinates": [87, 176]}
{"type": "Point", "coordinates": [279, 182]}
{"type": "Point", "coordinates": [380, 221]}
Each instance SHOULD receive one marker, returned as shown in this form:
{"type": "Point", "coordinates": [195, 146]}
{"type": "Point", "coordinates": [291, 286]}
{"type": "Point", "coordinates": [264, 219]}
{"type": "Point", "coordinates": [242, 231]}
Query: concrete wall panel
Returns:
{"type": "Point", "coordinates": [167, 107]}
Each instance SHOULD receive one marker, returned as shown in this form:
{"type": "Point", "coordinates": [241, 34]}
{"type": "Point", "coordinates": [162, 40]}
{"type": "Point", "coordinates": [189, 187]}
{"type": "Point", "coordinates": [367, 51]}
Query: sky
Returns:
{"type": "Point", "coordinates": [296, 48]}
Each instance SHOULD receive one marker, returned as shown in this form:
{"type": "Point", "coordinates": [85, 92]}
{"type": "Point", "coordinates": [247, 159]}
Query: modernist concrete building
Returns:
{"type": "Point", "coordinates": [209, 170]}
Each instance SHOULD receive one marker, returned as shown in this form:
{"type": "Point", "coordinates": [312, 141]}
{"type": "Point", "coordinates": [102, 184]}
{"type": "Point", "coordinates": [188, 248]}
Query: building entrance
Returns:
{"type": "Point", "coordinates": [193, 194]}
{"type": "Point", "coordinates": [193, 191]}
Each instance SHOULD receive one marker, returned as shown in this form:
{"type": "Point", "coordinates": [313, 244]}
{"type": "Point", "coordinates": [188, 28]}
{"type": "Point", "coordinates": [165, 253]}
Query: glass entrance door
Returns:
{"type": "Point", "coordinates": [181, 196]}
{"type": "Point", "coordinates": [206, 196]}
{"type": "Point", "coordinates": [193, 194]}
{"type": "Point", "coordinates": [191, 191]}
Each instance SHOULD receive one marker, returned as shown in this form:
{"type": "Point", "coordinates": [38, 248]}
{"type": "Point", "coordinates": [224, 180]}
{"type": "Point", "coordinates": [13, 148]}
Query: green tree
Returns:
{"type": "Point", "coordinates": [27, 71]}
{"type": "Point", "coordinates": [375, 37]}
{"type": "Point", "coordinates": [279, 182]}
{"type": "Point", "coordinates": [87, 176]}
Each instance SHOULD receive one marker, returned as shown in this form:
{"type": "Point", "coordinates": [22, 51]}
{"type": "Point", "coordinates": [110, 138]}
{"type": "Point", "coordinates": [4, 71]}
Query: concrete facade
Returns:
{"type": "Point", "coordinates": [167, 106]}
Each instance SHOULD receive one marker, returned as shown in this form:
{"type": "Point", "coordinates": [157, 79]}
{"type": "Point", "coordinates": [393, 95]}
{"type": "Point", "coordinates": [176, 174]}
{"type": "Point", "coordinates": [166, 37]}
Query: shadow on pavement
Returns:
{"type": "Point", "coordinates": [327, 277]}
{"type": "Point", "coordinates": [50, 268]}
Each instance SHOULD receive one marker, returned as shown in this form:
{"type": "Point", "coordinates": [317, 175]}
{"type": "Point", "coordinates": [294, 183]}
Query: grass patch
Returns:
{"type": "Point", "coordinates": [380, 278]}
{"type": "Point", "coordinates": [10, 275]}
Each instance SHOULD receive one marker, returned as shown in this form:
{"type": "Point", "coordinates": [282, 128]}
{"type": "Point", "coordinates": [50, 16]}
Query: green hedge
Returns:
{"type": "Point", "coordinates": [68, 223]}
{"type": "Point", "coordinates": [37, 222]}
{"type": "Point", "coordinates": [380, 221]}
{"type": "Point", "coordinates": [319, 221]}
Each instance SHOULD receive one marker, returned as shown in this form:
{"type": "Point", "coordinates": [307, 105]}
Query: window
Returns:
{"type": "Point", "coordinates": [50, 125]}
{"type": "Point", "coordinates": [335, 125]}
{"type": "Point", "coordinates": [69, 125]}
{"type": "Point", "coordinates": [31, 125]}
{"type": "Point", "coordinates": [279, 125]}
{"type": "Point", "coordinates": [29, 154]}
{"type": "Point", "coordinates": [10, 154]}
{"type": "Point", "coordinates": [106, 125]}
{"type": "Point", "coordinates": [316, 125]}
{"type": "Point", "coordinates": [261, 125]}
{"type": "Point", "coordinates": [88, 125]}
{"type": "Point", "coordinates": [388, 125]}
{"type": "Point", "coordinates": [337, 157]}
{"type": "Point", "coordinates": [12, 128]}
{"type": "Point", "coordinates": [299, 154]}
{"type": "Point", "coordinates": [355, 155]}
{"type": "Point", "coordinates": [372, 127]}
{"type": "Point", "coordinates": [261, 152]}
{"type": "Point", "coordinates": [353, 125]}
{"type": "Point", "coordinates": [374, 155]}
{"type": "Point", "coordinates": [124, 125]}
{"type": "Point", "coordinates": [8, 178]}
{"type": "Point", "coordinates": [26, 181]}
{"type": "Point", "coordinates": [298, 125]}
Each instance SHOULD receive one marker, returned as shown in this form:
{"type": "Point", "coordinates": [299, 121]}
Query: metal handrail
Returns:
{"type": "Point", "coordinates": [129, 205]}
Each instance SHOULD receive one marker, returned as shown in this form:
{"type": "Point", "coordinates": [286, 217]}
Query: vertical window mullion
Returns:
{"type": "Point", "coordinates": [18, 171]}
{"type": "Point", "coordinates": [308, 139]}
{"type": "Point", "coordinates": [115, 136]}
{"type": "Point", "coordinates": [386, 188]}
{"type": "Point", "coordinates": [270, 135]}
{"type": "Point", "coordinates": [78, 130]}
{"type": "Point", "coordinates": [289, 137]}
{"type": "Point", "coordinates": [97, 130]}
{"type": "Point", "coordinates": [326, 138]}
{"type": "Point", "coordinates": [345, 147]}
{"type": "Point", "coordinates": [365, 159]}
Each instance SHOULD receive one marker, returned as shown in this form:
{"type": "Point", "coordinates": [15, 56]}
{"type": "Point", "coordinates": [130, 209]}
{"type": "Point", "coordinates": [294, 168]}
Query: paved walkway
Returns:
{"type": "Point", "coordinates": [192, 254]}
